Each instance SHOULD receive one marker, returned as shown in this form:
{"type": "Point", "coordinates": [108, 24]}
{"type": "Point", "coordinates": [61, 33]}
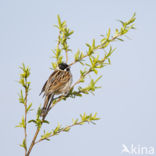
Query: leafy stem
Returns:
{"type": "Point", "coordinates": [24, 100]}
{"type": "Point", "coordinates": [84, 119]}
{"type": "Point", "coordinates": [25, 127]}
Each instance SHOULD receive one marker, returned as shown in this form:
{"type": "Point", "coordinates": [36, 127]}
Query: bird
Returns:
{"type": "Point", "coordinates": [59, 82]}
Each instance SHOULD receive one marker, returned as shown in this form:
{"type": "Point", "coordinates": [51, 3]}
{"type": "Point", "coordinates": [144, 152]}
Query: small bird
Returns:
{"type": "Point", "coordinates": [59, 82]}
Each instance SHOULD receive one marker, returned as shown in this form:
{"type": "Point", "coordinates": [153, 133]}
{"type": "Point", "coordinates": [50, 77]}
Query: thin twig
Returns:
{"type": "Point", "coordinates": [33, 141]}
{"type": "Point", "coordinates": [25, 120]}
{"type": "Point", "coordinates": [97, 48]}
{"type": "Point", "coordinates": [58, 42]}
{"type": "Point", "coordinates": [79, 80]}
{"type": "Point", "coordinates": [79, 60]}
{"type": "Point", "coordinates": [35, 136]}
{"type": "Point", "coordinates": [66, 56]}
{"type": "Point", "coordinates": [61, 130]}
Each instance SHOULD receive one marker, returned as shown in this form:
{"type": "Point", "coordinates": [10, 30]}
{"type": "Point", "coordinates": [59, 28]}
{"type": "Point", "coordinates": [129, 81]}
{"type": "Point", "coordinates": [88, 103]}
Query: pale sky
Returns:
{"type": "Point", "coordinates": [126, 103]}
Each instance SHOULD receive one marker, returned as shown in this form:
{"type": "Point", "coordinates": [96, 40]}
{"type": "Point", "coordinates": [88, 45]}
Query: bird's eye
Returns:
{"type": "Point", "coordinates": [67, 69]}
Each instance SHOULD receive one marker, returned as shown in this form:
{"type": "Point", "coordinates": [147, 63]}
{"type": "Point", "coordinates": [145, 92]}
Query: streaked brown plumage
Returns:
{"type": "Point", "coordinates": [59, 82]}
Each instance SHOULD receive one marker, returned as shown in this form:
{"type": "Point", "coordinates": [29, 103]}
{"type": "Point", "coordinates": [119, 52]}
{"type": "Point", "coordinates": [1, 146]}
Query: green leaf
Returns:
{"type": "Point", "coordinates": [95, 71]}
{"type": "Point", "coordinates": [91, 61]}
{"type": "Point", "coordinates": [110, 51]}
{"type": "Point", "coordinates": [21, 98]}
{"type": "Point", "coordinates": [56, 26]}
{"type": "Point", "coordinates": [23, 144]}
{"type": "Point", "coordinates": [103, 40]}
{"type": "Point", "coordinates": [28, 108]}
{"type": "Point", "coordinates": [59, 21]}
{"type": "Point", "coordinates": [59, 60]}
{"type": "Point", "coordinates": [58, 52]}
{"type": "Point", "coordinates": [93, 44]}
{"type": "Point", "coordinates": [22, 123]}
{"type": "Point", "coordinates": [66, 129]}
{"type": "Point", "coordinates": [39, 112]}
{"type": "Point", "coordinates": [46, 135]}
{"type": "Point", "coordinates": [98, 79]}
{"type": "Point", "coordinates": [54, 65]}
{"type": "Point", "coordinates": [108, 34]}
{"type": "Point", "coordinates": [123, 23]}
{"type": "Point", "coordinates": [71, 32]}
{"type": "Point", "coordinates": [34, 121]}
{"type": "Point", "coordinates": [45, 121]}
{"type": "Point", "coordinates": [109, 61]}
{"type": "Point", "coordinates": [77, 55]}
{"type": "Point", "coordinates": [21, 81]}
{"type": "Point", "coordinates": [116, 31]}
{"type": "Point", "coordinates": [88, 45]}
{"type": "Point", "coordinates": [38, 123]}
{"type": "Point", "coordinates": [120, 39]}
{"type": "Point", "coordinates": [95, 115]}
{"type": "Point", "coordinates": [75, 121]}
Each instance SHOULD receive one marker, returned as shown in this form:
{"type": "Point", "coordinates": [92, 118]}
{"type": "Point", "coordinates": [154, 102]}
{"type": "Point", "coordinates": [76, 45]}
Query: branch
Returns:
{"type": "Point", "coordinates": [105, 41]}
{"type": "Point", "coordinates": [23, 99]}
{"type": "Point", "coordinates": [66, 56]}
{"type": "Point", "coordinates": [84, 119]}
{"type": "Point", "coordinates": [64, 35]}
{"type": "Point", "coordinates": [99, 47]}
{"type": "Point", "coordinates": [38, 123]}
{"type": "Point", "coordinates": [25, 118]}
{"type": "Point", "coordinates": [34, 139]}
{"type": "Point", "coordinates": [81, 77]}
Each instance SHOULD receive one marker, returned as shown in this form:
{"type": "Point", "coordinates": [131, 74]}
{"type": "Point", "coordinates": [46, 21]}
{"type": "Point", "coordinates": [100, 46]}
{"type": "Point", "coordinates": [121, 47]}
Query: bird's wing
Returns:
{"type": "Point", "coordinates": [43, 88]}
{"type": "Point", "coordinates": [51, 78]}
{"type": "Point", "coordinates": [57, 81]}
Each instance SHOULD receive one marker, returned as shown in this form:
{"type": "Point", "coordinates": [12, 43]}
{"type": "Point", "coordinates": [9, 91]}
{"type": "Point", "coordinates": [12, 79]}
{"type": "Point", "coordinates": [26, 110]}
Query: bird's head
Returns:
{"type": "Point", "coordinates": [64, 66]}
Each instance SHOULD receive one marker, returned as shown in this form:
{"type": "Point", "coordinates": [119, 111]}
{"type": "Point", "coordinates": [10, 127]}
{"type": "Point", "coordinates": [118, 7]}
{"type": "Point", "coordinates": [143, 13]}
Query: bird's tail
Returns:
{"type": "Point", "coordinates": [47, 103]}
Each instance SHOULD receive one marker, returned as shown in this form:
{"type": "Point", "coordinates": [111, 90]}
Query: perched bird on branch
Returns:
{"type": "Point", "coordinates": [59, 82]}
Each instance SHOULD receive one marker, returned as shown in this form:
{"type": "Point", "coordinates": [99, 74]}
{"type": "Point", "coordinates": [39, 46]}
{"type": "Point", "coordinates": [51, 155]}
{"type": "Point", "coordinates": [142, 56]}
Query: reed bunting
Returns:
{"type": "Point", "coordinates": [59, 82]}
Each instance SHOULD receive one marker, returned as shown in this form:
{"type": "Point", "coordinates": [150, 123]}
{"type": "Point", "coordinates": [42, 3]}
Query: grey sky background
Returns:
{"type": "Point", "coordinates": [126, 102]}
